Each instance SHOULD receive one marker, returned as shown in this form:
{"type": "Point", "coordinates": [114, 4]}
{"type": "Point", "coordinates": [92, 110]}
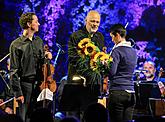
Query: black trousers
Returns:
{"type": "Point", "coordinates": [121, 106]}
{"type": "Point", "coordinates": [29, 94]}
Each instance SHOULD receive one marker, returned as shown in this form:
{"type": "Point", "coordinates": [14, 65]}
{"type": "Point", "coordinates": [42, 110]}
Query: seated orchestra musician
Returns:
{"type": "Point", "coordinates": [147, 87]}
{"type": "Point", "coordinates": [150, 74]}
{"type": "Point", "coordinates": [5, 89]}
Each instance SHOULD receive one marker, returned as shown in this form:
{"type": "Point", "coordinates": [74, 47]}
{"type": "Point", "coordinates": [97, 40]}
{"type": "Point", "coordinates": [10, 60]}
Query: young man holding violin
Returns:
{"type": "Point", "coordinates": [27, 57]}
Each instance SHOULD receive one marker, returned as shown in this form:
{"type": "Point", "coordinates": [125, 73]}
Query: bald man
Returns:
{"type": "Point", "coordinates": [92, 22]}
{"type": "Point", "coordinates": [81, 95]}
{"type": "Point", "coordinates": [90, 30]}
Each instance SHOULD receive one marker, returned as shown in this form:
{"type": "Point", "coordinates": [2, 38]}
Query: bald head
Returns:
{"type": "Point", "coordinates": [92, 21]}
{"type": "Point", "coordinates": [92, 13]}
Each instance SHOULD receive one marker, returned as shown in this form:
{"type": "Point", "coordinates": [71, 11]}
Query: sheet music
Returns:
{"type": "Point", "coordinates": [45, 94]}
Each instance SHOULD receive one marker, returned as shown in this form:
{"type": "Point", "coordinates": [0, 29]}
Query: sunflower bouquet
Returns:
{"type": "Point", "coordinates": [97, 60]}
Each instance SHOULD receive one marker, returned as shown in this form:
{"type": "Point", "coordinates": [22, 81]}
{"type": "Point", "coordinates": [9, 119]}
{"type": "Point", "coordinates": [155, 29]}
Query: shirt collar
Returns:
{"type": "Point", "coordinates": [123, 43]}
{"type": "Point", "coordinates": [24, 38]}
{"type": "Point", "coordinates": [86, 31]}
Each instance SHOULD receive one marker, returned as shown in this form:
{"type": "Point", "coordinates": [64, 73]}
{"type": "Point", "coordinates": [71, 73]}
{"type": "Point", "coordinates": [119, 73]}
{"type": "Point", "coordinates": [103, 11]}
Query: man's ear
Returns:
{"type": "Point", "coordinates": [28, 24]}
{"type": "Point", "coordinates": [117, 34]}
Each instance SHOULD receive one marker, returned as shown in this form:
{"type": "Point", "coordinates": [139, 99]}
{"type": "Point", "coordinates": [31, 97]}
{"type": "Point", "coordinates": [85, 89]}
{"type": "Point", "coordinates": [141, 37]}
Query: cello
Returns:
{"type": "Point", "coordinates": [48, 71]}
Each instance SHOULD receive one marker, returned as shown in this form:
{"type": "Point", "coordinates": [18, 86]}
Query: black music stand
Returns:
{"type": "Point", "coordinates": [144, 91]}
{"type": "Point", "coordinates": [78, 97]}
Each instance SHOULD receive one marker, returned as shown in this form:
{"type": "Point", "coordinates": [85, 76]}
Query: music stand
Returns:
{"type": "Point", "coordinates": [144, 91]}
{"type": "Point", "coordinates": [77, 97]}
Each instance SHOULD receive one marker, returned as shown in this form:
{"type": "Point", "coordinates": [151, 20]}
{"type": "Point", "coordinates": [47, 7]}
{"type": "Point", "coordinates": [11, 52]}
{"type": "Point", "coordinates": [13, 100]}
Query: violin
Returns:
{"type": "Point", "coordinates": [160, 84]}
{"type": "Point", "coordinates": [48, 72]}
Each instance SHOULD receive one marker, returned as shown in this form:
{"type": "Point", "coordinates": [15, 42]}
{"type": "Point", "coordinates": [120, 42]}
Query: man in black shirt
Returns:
{"type": "Point", "coordinates": [86, 90]}
{"type": "Point", "coordinates": [89, 31]}
{"type": "Point", "coordinates": [26, 57]}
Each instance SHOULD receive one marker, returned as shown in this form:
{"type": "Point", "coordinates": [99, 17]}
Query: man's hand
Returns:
{"type": "Point", "coordinates": [8, 110]}
{"type": "Point", "coordinates": [21, 98]}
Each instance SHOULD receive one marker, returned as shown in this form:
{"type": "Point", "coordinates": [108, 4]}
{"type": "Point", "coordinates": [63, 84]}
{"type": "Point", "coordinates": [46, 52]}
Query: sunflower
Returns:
{"type": "Point", "coordinates": [90, 49]}
{"type": "Point", "coordinates": [106, 58]}
{"type": "Point", "coordinates": [98, 62]}
{"type": "Point", "coordinates": [84, 42]}
{"type": "Point", "coordinates": [93, 65]}
{"type": "Point", "coordinates": [110, 59]}
{"type": "Point", "coordinates": [99, 55]}
{"type": "Point", "coordinates": [102, 60]}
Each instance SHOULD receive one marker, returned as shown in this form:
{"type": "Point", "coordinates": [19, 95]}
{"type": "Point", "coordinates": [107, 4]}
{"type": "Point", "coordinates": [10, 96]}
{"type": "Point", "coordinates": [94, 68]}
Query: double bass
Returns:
{"type": "Point", "coordinates": [48, 72]}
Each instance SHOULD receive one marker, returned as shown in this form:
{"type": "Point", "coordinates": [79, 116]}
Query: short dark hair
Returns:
{"type": "Point", "coordinates": [25, 18]}
{"type": "Point", "coordinates": [118, 28]}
